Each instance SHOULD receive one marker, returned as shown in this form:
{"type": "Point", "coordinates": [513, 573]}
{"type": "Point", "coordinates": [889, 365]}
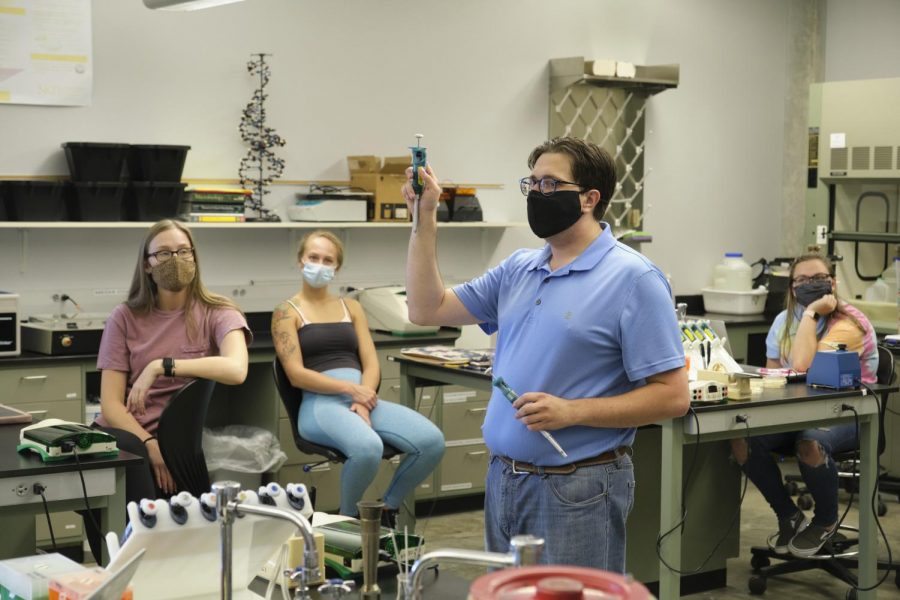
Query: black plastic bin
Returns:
{"type": "Point", "coordinates": [4, 215]}
{"type": "Point", "coordinates": [152, 201]}
{"type": "Point", "coordinates": [96, 161]}
{"type": "Point", "coordinates": [36, 200]}
{"type": "Point", "coordinates": [98, 201]}
{"type": "Point", "coordinates": [156, 163]}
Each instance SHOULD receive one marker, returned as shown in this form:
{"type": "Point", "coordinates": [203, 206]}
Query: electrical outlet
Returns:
{"type": "Point", "coordinates": [821, 234]}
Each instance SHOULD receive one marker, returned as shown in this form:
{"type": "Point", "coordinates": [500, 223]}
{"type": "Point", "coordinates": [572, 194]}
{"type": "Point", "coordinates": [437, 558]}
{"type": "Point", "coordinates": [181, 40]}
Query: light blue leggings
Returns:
{"type": "Point", "coordinates": [326, 419]}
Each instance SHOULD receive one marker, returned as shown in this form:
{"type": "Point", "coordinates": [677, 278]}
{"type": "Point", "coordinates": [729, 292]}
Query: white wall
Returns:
{"type": "Point", "coordinates": [361, 77]}
{"type": "Point", "coordinates": [861, 40]}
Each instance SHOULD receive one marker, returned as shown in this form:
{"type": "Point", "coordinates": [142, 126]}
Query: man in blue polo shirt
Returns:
{"type": "Point", "coordinates": [587, 335]}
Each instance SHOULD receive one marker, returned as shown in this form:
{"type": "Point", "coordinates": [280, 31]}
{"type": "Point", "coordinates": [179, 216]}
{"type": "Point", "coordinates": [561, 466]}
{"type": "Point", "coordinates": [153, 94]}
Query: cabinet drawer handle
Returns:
{"type": "Point", "coordinates": [476, 453]}
{"type": "Point", "coordinates": [34, 378]}
{"type": "Point", "coordinates": [395, 387]}
{"type": "Point", "coordinates": [477, 410]}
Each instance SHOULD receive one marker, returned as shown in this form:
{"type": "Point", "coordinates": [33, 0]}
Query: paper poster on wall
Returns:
{"type": "Point", "coordinates": [45, 52]}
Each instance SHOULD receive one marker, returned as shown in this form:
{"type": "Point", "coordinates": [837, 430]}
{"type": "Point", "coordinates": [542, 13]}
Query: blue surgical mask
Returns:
{"type": "Point", "coordinates": [317, 275]}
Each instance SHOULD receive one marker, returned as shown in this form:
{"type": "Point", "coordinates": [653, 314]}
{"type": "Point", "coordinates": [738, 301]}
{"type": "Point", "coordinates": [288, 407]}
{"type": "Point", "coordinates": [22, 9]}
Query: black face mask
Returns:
{"type": "Point", "coordinates": [810, 292]}
{"type": "Point", "coordinates": [549, 215]}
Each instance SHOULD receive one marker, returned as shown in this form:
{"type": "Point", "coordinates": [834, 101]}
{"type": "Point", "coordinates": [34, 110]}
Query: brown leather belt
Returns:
{"type": "Point", "coordinates": [600, 459]}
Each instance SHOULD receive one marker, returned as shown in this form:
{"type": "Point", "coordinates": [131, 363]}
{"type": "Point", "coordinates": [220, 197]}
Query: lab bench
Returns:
{"type": "Point", "coordinates": [59, 387]}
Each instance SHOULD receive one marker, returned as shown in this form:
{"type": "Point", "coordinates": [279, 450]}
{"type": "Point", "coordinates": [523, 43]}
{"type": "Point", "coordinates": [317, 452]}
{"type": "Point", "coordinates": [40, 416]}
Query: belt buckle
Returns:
{"type": "Point", "coordinates": [516, 471]}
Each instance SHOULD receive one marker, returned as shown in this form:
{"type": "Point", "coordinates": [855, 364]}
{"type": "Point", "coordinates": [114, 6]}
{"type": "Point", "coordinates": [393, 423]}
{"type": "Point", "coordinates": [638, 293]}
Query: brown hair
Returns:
{"type": "Point", "coordinates": [784, 343]}
{"type": "Point", "coordinates": [592, 167]}
{"type": "Point", "coordinates": [301, 248]}
{"type": "Point", "coordinates": [143, 290]}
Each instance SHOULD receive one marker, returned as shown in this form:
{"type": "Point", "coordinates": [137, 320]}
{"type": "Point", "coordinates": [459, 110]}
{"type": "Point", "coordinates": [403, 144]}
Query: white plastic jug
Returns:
{"type": "Point", "coordinates": [733, 274]}
{"type": "Point", "coordinates": [878, 292]}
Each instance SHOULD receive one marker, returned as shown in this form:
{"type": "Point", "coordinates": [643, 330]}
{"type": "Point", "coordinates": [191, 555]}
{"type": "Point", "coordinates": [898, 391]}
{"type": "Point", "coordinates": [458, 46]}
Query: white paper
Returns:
{"type": "Point", "coordinates": [838, 140]}
{"type": "Point", "coordinates": [45, 52]}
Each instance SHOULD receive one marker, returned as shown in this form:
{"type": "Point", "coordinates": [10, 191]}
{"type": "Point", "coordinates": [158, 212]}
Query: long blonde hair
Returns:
{"type": "Point", "coordinates": [143, 291]}
{"type": "Point", "coordinates": [784, 343]}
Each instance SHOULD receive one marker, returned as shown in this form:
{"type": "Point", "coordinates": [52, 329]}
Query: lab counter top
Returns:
{"type": "Point", "coordinates": [735, 320]}
{"type": "Point", "coordinates": [262, 343]}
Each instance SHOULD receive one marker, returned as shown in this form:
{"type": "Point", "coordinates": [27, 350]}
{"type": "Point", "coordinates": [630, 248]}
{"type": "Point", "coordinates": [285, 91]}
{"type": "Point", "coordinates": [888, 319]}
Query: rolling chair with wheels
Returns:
{"type": "Point", "coordinates": [292, 397]}
{"type": "Point", "coordinates": [837, 556]}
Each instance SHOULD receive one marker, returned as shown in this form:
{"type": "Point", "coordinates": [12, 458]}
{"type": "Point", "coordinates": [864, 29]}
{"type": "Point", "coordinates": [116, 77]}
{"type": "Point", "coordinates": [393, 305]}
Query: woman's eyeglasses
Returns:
{"type": "Point", "coordinates": [164, 255]}
{"type": "Point", "coordinates": [802, 279]}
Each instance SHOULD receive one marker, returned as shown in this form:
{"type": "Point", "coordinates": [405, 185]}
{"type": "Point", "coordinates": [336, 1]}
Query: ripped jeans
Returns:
{"type": "Point", "coordinates": [822, 481]}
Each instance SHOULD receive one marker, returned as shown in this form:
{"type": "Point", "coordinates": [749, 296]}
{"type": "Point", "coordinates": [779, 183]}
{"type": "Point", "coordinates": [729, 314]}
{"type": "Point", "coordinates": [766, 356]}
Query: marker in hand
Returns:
{"type": "Point", "coordinates": [512, 397]}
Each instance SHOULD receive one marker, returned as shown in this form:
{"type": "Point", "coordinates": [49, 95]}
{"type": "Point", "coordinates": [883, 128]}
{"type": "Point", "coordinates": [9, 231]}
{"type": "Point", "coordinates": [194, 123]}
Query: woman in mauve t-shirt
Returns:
{"type": "Point", "coordinates": [170, 330]}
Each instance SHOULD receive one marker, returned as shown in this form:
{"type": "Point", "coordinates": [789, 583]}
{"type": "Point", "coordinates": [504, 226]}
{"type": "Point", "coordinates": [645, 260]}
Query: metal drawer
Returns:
{"type": "Point", "coordinates": [390, 391]}
{"type": "Point", "coordinates": [455, 394]}
{"type": "Point", "coordinates": [67, 410]}
{"type": "Point", "coordinates": [29, 385]}
{"type": "Point", "coordinates": [389, 369]}
{"type": "Point", "coordinates": [463, 470]}
{"type": "Point", "coordinates": [67, 527]}
{"type": "Point", "coordinates": [463, 421]}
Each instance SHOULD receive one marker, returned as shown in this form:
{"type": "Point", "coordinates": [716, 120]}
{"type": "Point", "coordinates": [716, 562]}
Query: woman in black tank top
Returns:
{"type": "Point", "coordinates": [324, 345]}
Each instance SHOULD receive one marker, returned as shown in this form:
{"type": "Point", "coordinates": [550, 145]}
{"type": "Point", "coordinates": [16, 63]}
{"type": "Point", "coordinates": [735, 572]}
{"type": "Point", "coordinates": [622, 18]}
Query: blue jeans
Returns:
{"type": "Point", "coordinates": [326, 419]}
{"type": "Point", "coordinates": [580, 516]}
{"type": "Point", "coordinates": [822, 481]}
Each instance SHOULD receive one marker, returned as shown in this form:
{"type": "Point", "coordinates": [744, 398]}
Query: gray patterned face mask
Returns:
{"type": "Point", "coordinates": [174, 274]}
{"type": "Point", "coordinates": [810, 292]}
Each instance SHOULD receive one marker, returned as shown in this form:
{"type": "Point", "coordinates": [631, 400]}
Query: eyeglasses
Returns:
{"type": "Point", "coordinates": [547, 185]}
{"type": "Point", "coordinates": [164, 255]}
{"type": "Point", "coordinates": [802, 279]}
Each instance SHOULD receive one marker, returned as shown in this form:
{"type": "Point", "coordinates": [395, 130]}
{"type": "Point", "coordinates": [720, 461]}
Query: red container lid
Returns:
{"type": "Point", "coordinates": [556, 582]}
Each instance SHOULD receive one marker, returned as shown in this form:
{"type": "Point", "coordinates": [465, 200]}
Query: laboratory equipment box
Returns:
{"type": "Point", "coordinates": [10, 336]}
{"type": "Point", "coordinates": [330, 207]}
{"type": "Point", "coordinates": [735, 303]}
{"type": "Point", "coordinates": [148, 162]}
{"type": "Point", "coordinates": [384, 180]}
{"type": "Point", "coordinates": [96, 161]}
{"type": "Point", "coordinates": [36, 200]}
{"type": "Point", "coordinates": [152, 201]}
{"type": "Point", "coordinates": [98, 201]}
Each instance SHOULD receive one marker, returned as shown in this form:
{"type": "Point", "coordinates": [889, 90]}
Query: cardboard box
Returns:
{"type": "Point", "coordinates": [384, 180]}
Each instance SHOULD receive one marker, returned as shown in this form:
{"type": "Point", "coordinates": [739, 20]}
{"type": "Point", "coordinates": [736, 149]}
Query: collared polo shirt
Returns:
{"type": "Point", "coordinates": [597, 327]}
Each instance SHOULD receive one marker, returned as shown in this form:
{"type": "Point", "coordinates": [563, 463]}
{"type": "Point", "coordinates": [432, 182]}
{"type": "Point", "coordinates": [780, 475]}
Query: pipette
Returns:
{"type": "Point", "coordinates": [512, 396]}
{"type": "Point", "coordinates": [418, 160]}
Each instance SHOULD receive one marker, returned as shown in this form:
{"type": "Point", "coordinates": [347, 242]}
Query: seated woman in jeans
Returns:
{"type": "Point", "coordinates": [324, 345]}
{"type": "Point", "coordinates": [814, 320]}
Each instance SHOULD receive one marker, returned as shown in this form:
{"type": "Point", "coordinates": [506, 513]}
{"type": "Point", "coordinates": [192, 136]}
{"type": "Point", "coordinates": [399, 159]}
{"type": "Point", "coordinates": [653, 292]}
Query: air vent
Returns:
{"type": "Point", "coordinates": [861, 158]}
{"type": "Point", "coordinates": [838, 159]}
{"type": "Point", "coordinates": [882, 160]}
